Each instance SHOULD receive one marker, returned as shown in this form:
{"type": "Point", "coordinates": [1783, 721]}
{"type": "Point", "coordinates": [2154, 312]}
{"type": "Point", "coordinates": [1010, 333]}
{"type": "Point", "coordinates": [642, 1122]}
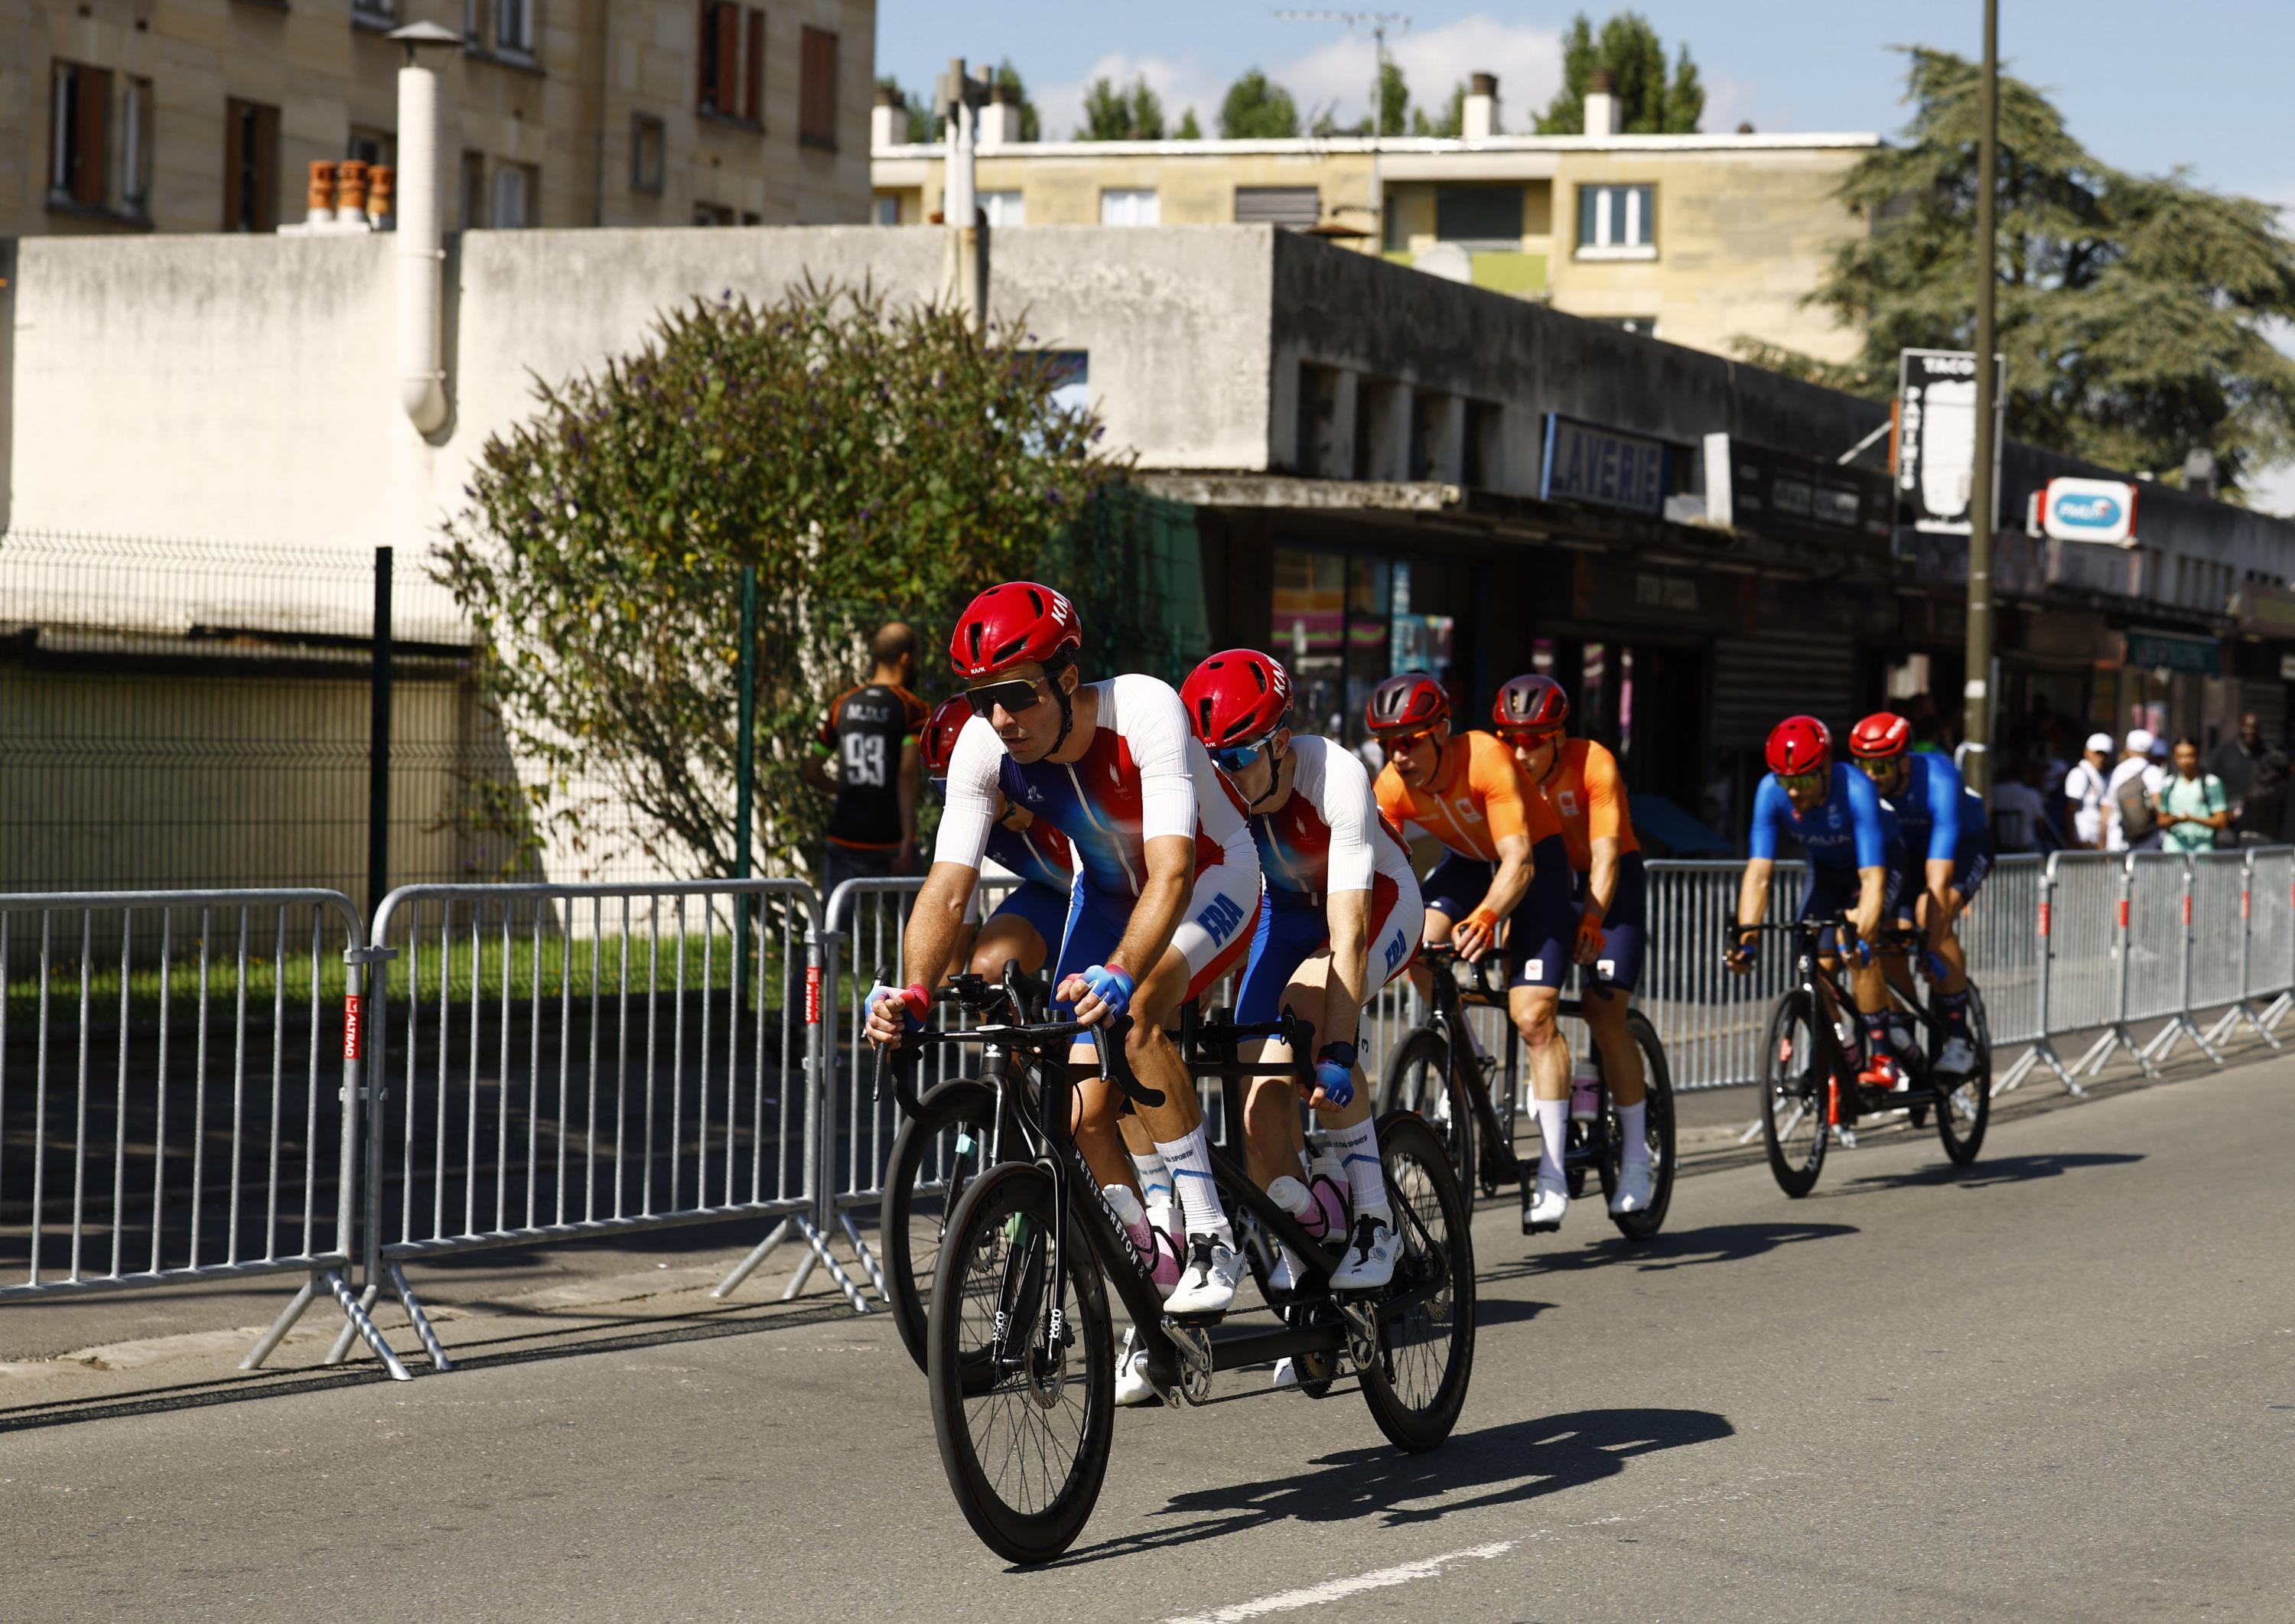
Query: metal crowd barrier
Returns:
{"type": "Point", "coordinates": [176, 1099]}
{"type": "Point", "coordinates": [579, 1061]}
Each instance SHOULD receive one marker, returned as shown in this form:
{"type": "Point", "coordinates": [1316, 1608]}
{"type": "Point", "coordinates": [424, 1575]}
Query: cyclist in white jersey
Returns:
{"type": "Point", "coordinates": [1167, 879]}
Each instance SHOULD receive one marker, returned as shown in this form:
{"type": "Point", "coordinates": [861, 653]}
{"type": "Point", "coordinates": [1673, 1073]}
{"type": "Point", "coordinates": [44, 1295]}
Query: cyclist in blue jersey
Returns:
{"type": "Point", "coordinates": [1850, 836]}
{"type": "Point", "coordinates": [1948, 851]}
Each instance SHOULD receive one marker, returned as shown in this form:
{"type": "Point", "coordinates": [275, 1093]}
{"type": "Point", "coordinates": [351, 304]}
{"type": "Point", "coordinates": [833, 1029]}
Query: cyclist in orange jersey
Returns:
{"type": "Point", "coordinates": [1506, 862]}
{"type": "Point", "coordinates": [1580, 780]}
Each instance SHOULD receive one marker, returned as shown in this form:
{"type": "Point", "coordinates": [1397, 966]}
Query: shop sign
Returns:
{"type": "Point", "coordinates": [2198, 656]}
{"type": "Point", "coordinates": [1936, 438]}
{"type": "Point", "coordinates": [2102, 510]}
{"type": "Point", "coordinates": [1588, 462]}
{"type": "Point", "coordinates": [1794, 498]}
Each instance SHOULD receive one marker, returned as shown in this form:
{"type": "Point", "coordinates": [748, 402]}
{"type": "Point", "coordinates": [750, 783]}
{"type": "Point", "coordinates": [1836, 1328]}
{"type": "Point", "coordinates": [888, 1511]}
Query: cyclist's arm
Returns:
{"type": "Point", "coordinates": [1163, 899]}
{"type": "Point", "coordinates": [929, 942]}
{"type": "Point", "coordinates": [1872, 889]}
{"type": "Point", "coordinates": [1606, 805]}
{"type": "Point", "coordinates": [1509, 886]}
{"type": "Point", "coordinates": [1601, 875]}
{"type": "Point", "coordinates": [1753, 890]}
{"type": "Point", "coordinates": [1171, 809]}
{"type": "Point", "coordinates": [1348, 913]}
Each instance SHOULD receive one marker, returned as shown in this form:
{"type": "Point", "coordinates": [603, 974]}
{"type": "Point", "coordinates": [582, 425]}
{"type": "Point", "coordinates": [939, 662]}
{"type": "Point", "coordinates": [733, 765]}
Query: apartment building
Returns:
{"type": "Point", "coordinates": [1695, 239]}
{"type": "Point", "coordinates": [129, 116]}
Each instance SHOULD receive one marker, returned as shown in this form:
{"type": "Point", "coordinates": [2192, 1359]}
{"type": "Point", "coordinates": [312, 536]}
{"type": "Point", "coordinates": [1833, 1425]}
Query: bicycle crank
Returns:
{"type": "Point", "coordinates": [1193, 1343]}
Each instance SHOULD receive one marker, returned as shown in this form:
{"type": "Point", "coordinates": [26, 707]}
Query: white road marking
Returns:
{"type": "Point", "coordinates": [1338, 1590]}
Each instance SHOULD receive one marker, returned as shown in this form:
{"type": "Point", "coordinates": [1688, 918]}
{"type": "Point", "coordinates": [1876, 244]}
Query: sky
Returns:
{"type": "Point", "coordinates": [2146, 85]}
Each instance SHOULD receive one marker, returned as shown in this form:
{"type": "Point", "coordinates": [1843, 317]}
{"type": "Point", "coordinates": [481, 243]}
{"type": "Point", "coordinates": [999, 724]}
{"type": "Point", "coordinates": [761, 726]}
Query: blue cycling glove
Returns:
{"type": "Point", "coordinates": [1335, 1073]}
{"type": "Point", "coordinates": [1112, 985]}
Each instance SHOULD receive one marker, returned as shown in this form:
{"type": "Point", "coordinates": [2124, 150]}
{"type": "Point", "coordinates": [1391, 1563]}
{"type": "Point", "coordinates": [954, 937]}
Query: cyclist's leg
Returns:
{"type": "Point", "coordinates": [1609, 983]}
{"type": "Point", "coordinates": [1539, 937]}
{"type": "Point", "coordinates": [1289, 934]}
{"type": "Point", "coordinates": [1095, 924]}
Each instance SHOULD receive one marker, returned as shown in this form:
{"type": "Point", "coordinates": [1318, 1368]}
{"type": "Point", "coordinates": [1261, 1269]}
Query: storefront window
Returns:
{"type": "Point", "coordinates": [1346, 621]}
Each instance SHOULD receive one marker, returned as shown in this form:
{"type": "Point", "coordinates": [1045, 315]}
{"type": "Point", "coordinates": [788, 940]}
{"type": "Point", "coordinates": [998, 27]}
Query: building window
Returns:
{"type": "Point", "coordinates": [79, 116]}
{"type": "Point", "coordinates": [376, 13]}
{"type": "Point", "coordinates": [372, 146]}
{"type": "Point", "coordinates": [475, 216]}
{"type": "Point", "coordinates": [1130, 205]}
{"type": "Point", "coordinates": [1617, 222]}
{"type": "Point", "coordinates": [886, 208]}
{"type": "Point", "coordinates": [648, 141]}
{"type": "Point", "coordinates": [1487, 218]}
{"type": "Point", "coordinates": [816, 115]}
{"type": "Point", "coordinates": [1003, 207]}
{"type": "Point", "coordinates": [732, 58]}
{"type": "Point", "coordinates": [250, 166]}
{"type": "Point", "coordinates": [136, 147]}
{"type": "Point", "coordinates": [517, 196]}
{"type": "Point", "coordinates": [712, 214]}
{"type": "Point", "coordinates": [1295, 207]}
{"type": "Point", "coordinates": [514, 28]}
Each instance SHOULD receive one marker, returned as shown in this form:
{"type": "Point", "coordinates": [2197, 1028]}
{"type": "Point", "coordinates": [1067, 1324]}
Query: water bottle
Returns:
{"type": "Point", "coordinates": [1585, 1089]}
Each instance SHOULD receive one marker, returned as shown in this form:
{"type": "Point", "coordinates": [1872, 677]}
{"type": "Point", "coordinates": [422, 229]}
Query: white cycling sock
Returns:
{"type": "Point", "coordinates": [1358, 1149]}
{"type": "Point", "coordinates": [1633, 1126]}
{"type": "Point", "coordinates": [1154, 1187]}
{"type": "Point", "coordinates": [1189, 1159]}
{"type": "Point", "coordinates": [1553, 1124]}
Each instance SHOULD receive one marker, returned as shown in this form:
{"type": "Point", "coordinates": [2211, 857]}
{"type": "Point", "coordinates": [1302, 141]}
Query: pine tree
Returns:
{"type": "Point", "coordinates": [1648, 102]}
{"type": "Point", "coordinates": [2132, 310]}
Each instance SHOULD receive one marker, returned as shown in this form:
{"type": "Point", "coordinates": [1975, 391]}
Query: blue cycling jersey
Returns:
{"type": "Point", "coordinates": [1852, 827]}
{"type": "Point", "coordinates": [1975, 824]}
{"type": "Point", "coordinates": [1928, 808]}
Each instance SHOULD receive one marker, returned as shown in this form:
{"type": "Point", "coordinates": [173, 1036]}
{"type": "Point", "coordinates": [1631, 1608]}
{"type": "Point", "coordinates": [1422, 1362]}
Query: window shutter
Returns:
{"type": "Point", "coordinates": [704, 48]}
{"type": "Point", "coordinates": [92, 105]}
{"type": "Point", "coordinates": [235, 157]}
{"type": "Point", "coordinates": [727, 91]}
{"type": "Point", "coordinates": [753, 90]}
{"type": "Point", "coordinates": [266, 169]}
{"type": "Point", "coordinates": [817, 111]}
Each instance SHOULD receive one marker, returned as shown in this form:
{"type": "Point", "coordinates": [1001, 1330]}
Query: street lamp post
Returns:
{"type": "Point", "coordinates": [1978, 699]}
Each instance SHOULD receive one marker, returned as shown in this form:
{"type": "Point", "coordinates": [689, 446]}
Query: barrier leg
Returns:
{"type": "Point", "coordinates": [341, 1350]}
{"type": "Point", "coordinates": [2179, 1027]}
{"type": "Point", "coordinates": [268, 1343]}
{"type": "Point", "coordinates": [2042, 1052]}
{"type": "Point", "coordinates": [354, 1311]}
{"type": "Point", "coordinates": [2228, 1023]}
{"type": "Point", "coordinates": [758, 1254]}
{"type": "Point", "coordinates": [416, 1318]}
{"type": "Point", "coordinates": [868, 1258]}
{"type": "Point", "coordinates": [2276, 1012]}
{"type": "Point", "coordinates": [2115, 1038]}
{"type": "Point", "coordinates": [818, 1240]}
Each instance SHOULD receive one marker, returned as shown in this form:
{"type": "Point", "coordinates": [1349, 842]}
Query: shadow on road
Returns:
{"type": "Point", "coordinates": [1672, 1249]}
{"type": "Point", "coordinates": [1509, 1465]}
{"type": "Point", "coordinates": [2005, 1170]}
{"type": "Point", "coordinates": [1506, 1311]}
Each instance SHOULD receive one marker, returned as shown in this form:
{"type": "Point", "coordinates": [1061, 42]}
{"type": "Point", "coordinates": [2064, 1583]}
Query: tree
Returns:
{"type": "Point", "coordinates": [1257, 110]}
{"type": "Point", "coordinates": [867, 460]}
{"type": "Point", "coordinates": [2132, 310]}
{"type": "Point", "coordinates": [922, 124]}
{"type": "Point", "coordinates": [1008, 78]}
{"type": "Point", "coordinates": [1450, 123]}
{"type": "Point", "coordinates": [1110, 114]}
{"type": "Point", "coordinates": [1393, 99]}
{"type": "Point", "coordinates": [1190, 130]}
{"type": "Point", "coordinates": [1648, 104]}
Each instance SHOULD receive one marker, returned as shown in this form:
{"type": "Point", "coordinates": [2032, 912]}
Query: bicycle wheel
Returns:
{"type": "Point", "coordinates": [1420, 1079]}
{"type": "Point", "coordinates": [1416, 1383]}
{"type": "Point", "coordinates": [1026, 1443]}
{"type": "Point", "coordinates": [935, 1156]}
{"type": "Point", "coordinates": [1794, 1095]}
{"type": "Point", "coordinates": [1657, 1132]}
{"type": "Point", "coordinates": [1966, 1109]}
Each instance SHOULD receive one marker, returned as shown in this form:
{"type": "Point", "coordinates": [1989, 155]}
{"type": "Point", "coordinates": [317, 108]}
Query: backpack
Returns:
{"type": "Point", "coordinates": [2137, 816]}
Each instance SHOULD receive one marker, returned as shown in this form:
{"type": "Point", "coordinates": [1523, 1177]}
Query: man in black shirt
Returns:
{"type": "Point", "coordinates": [871, 731]}
{"type": "Point", "coordinates": [2254, 777]}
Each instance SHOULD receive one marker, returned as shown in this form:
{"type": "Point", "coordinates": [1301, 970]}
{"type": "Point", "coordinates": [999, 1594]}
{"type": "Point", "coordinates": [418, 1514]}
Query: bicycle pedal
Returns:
{"type": "Point", "coordinates": [1195, 1322]}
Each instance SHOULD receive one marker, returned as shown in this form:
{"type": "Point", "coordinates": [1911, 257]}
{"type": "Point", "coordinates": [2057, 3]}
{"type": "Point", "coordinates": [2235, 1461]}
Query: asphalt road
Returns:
{"type": "Point", "coordinates": [2059, 1386]}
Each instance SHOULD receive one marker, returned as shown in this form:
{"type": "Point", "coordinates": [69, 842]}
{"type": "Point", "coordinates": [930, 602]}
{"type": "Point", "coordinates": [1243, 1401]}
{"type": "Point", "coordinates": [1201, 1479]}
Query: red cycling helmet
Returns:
{"type": "Point", "coordinates": [1238, 698]}
{"type": "Point", "coordinates": [1405, 704]}
{"type": "Point", "coordinates": [1798, 745]}
{"type": "Point", "coordinates": [1880, 736]}
{"type": "Point", "coordinates": [1530, 704]}
{"type": "Point", "coordinates": [1009, 624]}
{"type": "Point", "coordinates": [937, 742]}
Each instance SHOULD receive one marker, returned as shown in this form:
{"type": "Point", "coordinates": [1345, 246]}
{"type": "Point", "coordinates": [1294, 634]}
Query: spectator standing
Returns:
{"type": "Point", "coordinates": [2193, 806]}
{"type": "Point", "coordinates": [2084, 790]}
{"type": "Point", "coordinates": [2254, 775]}
{"type": "Point", "coordinates": [2131, 797]}
{"type": "Point", "coordinates": [870, 730]}
{"type": "Point", "coordinates": [2019, 813]}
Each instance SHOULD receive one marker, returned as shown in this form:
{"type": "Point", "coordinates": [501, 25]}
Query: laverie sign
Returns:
{"type": "Point", "coordinates": [2099, 511]}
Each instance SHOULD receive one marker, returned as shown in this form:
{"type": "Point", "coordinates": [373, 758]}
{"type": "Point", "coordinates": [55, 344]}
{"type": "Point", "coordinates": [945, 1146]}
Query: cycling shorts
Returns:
{"type": "Point", "coordinates": [1040, 907]}
{"type": "Point", "coordinates": [1294, 929]}
{"type": "Point", "coordinates": [1213, 934]}
{"type": "Point", "coordinates": [1836, 891]}
{"type": "Point", "coordinates": [1625, 927]}
{"type": "Point", "coordinates": [1543, 928]}
{"type": "Point", "coordinates": [1456, 886]}
{"type": "Point", "coordinates": [1971, 864]}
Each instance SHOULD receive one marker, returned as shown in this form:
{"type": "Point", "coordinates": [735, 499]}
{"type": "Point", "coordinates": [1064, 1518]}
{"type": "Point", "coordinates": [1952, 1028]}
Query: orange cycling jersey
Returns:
{"type": "Point", "coordinates": [1590, 797]}
{"type": "Point", "coordinates": [1477, 799]}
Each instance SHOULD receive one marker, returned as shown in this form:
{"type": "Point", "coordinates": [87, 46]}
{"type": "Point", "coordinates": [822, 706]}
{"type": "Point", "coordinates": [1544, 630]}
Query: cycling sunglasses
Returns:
{"type": "Point", "coordinates": [1522, 738]}
{"type": "Point", "coordinates": [1878, 767]}
{"type": "Point", "coordinates": [1015, 696]}
{"type": "Point", "coordinates": [1397, 743]}
{"type": "Point", "coordinates": [1235, 758]}
{"type": "Point", "coordinates": [1803, 783]}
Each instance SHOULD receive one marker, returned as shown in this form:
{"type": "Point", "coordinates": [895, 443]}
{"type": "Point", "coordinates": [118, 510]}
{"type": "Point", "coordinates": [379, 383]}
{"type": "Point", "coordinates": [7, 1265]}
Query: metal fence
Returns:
{"type": "Point", "coordinates": [199, 1085]}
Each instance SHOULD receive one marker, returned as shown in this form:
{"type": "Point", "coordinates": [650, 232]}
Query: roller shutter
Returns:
{"type": "Point", "coordinates": [1756, 681]}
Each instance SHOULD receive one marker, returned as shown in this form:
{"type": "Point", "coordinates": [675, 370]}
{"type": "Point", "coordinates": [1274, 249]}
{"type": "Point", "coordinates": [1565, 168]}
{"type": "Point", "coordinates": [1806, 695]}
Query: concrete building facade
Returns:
{"type": "Point", "coordinates": [133, 116]}
{"type": "Point", "coordinates": [1699, 240]}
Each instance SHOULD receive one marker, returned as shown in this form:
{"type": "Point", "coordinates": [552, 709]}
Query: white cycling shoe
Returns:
{"type": "Point", "coordinates": [1635, 1184]}
{"type": "Point", "coordinates": [1550, 1199]}
{"type": "Point", "coordinates": [1369, 1260]}
{"type": "Point", "coordinates": [1208, 1278]}
{"type": "Point", "coordinates": [1132, 1387]}
{"type": "Point", "coordinates": [1957, 1058]}
{"type": "Point", "coordinates": [1287, 1374]}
